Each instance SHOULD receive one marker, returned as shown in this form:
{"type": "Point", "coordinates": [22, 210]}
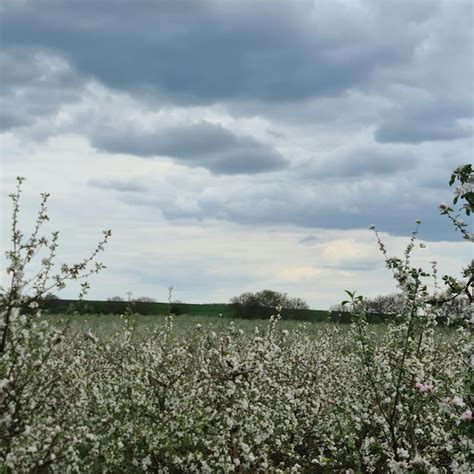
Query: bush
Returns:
{"type": "Point", "coordinates": [177, 309]}
{"type": "Point", "coordinates": [406, 392]}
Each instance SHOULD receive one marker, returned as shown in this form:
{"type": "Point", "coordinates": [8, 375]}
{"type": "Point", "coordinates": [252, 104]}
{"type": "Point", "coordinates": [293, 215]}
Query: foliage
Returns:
{"type": "Point", "coordinates": [145, 299]}
{"type": "Point", "coordinates": [263, 304]}
{"type": "Point", "coordinates": [115, 298]}
{"type": "Point", "coordinates": [410, 397]}
{"type": "Point", "coordinates": [465, 176]}
{"type": "Point", "coordinates": [382, 304]}
{"type": "Point", "coordinates": [383, 308]}
{"type": "Point", "coordinates": [177, 309]}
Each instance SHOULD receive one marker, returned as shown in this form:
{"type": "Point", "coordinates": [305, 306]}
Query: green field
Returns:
{"type": "Point", "coordinates": [57, 306]}
{"type": "Point", "coordinates": [220, 310]}
{"type": "Point", "coordinates": [108, 325]}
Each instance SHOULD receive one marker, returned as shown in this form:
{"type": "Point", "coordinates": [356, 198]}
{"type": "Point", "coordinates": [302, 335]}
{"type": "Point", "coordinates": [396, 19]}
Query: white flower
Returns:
{"type": "Point", "coordinates": [458, 401]}
{"type": "Point", "coordinates": [424, 388]}
{"type": "Point", "coordinates": [466, 416]}
{"type": "Point", "coordinates": [403, 453]}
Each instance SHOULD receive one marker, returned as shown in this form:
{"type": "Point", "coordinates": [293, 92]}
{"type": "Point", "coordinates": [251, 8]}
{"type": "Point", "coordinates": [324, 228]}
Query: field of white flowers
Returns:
{"type": "Point", "coordinates": [224, 399]}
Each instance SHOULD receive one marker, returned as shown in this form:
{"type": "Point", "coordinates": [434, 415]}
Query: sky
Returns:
{"type": "Point", "coordinates": [239, 145]}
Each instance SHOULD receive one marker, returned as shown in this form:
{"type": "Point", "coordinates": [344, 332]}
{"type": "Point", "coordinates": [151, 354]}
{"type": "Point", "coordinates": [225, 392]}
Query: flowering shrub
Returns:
{"type": "Point", "coordinates": [268, 400]}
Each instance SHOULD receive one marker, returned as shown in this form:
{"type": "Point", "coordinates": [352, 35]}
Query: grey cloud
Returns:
{"type": "Point", "coordinates": [393, 205]}
{"type": "Point", "coordinates": [120, 185]}
{"type": "Point", "coordinates": [433, 122]}
{"type": "Point", "coordinates": [205, 52]}
{"type": "Point", "coordinates": [274, 59]}
{"type": "Point", "coordinates": [12, 119]}
{"type": "Point", "coordinates": [201, 144]}
{"type": "Point", "coordinates": [33, 85]}
{"type": "Point", "coordinates": [275, 134]}
{"type": "Point", "coordinates": [309, 239]}
{"type": "Point", "coordinates": [325, 78]}
{"type": "Point", "coordinates": [358, 162]}
{"type": "Point", "coordinates": [356, 265]}
{"type": "Point", "coordinates": [432, 93]}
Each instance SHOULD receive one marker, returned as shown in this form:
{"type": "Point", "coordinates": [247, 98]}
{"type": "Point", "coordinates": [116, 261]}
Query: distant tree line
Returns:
{"type": "Point", "coordinates": [382, 304]}
{"type": "Point", "coordinates": [393, 304]}
{"type": "Point", "coordinates": [140, 299]}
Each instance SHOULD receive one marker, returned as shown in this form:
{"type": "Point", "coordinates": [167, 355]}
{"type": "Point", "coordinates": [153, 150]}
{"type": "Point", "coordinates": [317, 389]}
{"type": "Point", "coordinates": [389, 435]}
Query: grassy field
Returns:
{"type": "Point", "coordinates": [107, 325]}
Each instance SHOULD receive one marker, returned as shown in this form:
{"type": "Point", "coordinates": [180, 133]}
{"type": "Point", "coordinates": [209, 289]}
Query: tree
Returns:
{"type": "Point", "coordinates": [263, 304]}
{"type": "Point", "coordinates": [145, 299]}
{"type": "Point", "coordinates": [297, 303]}
{"type": "Point", "coordinates": [382, 304]}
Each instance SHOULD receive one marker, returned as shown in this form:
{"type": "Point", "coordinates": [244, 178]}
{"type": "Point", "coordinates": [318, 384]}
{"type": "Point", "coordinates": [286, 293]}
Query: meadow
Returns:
{"type": "Point", "coordinates": [105, 326]}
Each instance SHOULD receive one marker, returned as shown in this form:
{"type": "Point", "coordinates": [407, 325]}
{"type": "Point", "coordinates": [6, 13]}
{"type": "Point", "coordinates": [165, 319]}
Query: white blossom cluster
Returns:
{"type": "Point", "coordinates": [270, 401]}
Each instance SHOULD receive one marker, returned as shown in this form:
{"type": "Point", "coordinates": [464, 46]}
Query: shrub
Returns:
{"type": "Point", "coordinates": [35, 367]}
{"type": "Point", "coordinates": [177, 309]}
{"type": "Point", "coordinates": [408, 399]}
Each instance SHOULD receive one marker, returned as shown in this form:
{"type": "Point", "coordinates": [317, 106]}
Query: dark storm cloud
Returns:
{"type": "Point", "coordinates": [201, 144]}
{"type": "Point", "coordinates": [205, 52]}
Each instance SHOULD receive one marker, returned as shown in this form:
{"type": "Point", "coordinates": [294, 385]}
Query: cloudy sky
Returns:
{"type": "Point", "coordinates": [238, 145]}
